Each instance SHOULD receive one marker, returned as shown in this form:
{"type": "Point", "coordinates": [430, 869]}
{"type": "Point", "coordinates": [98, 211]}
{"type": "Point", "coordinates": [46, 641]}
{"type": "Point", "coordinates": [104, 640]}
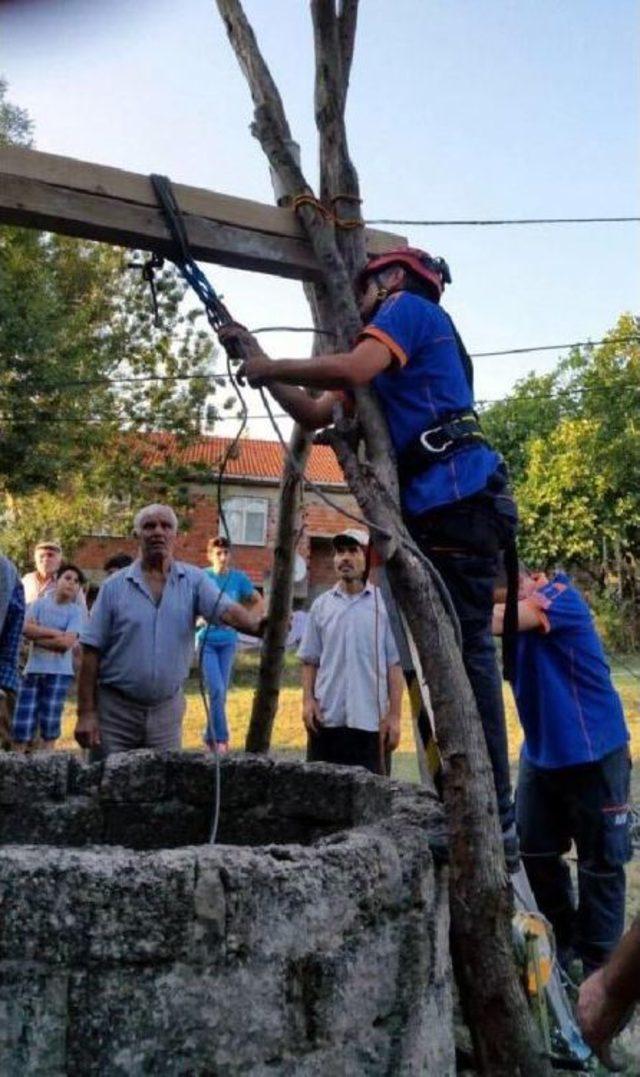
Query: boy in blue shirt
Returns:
{"type": "Point", "coordinates": [573, 784]}
{"type": "Point", "coordinates": [218, 643]}
{"type": "Point", "coordinates": [453, 485]}
{"type": "Point", "coordinates": [53, 624]}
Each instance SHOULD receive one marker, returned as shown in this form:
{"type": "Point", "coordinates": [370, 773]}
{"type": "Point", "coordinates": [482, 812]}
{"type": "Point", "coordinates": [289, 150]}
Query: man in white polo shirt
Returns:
{"type": "Point", "coordinates": [351, 674]}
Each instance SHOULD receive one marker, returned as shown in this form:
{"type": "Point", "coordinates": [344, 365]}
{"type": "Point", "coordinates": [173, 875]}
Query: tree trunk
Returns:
{"type": "Point", "coordinates": [504, 1033]}
{"type": "Point", "coordinates": [265, 700]}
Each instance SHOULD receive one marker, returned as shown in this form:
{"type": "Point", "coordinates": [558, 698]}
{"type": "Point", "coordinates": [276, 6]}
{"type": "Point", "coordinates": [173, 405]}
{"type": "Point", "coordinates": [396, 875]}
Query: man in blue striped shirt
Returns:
{"type": "Point", "coordinates": [138, 644]}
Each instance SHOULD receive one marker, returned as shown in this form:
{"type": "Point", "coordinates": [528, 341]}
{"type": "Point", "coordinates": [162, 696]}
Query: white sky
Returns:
{"type": "Point", "coordinates": [457, 108]}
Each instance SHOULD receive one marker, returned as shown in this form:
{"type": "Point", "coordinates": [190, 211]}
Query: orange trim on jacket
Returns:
{"type": "Point", "coordinates": [384, 338]}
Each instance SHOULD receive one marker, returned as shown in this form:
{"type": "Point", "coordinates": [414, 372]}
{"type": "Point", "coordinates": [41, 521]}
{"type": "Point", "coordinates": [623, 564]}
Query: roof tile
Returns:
{"type": "Point", "coordinates": [252, 458]}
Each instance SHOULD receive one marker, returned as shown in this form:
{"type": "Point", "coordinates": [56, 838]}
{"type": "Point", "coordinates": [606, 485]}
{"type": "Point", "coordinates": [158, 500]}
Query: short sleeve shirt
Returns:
{"type": "Point", "coordinates": [349, 639]}
{"type": "Point", "coordinates": [66, 617]}
{"type": "Point", "coordinates": [569, 709]}
{"type": "Point", "coordinates": [146, 646]}
{"type": "Point", "coordinates": [426, 382]}
{"type": "Point", "coordinates": [237, 586]}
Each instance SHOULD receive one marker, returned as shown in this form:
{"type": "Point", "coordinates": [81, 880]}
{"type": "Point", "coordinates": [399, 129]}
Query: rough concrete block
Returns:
{"type": "Point", "coordinates": [84, 778]}
{"type": "Point", "coordinates": [25, 779]}
{"type": "Point", "coordinates": [95, 905]}
{"type": "Point", "coordinates": [75, 822]}
{"type": "Point", "coordinates": [191, 777]}
{"type": "Point", "coordinates": [177, 1020]}
{"type": "Point", "coordinates": [337, 796]}
{"type": "Point", "coordinates": [134, 776]}
{"type": "Point", "coordinates": [322, 953]}
{"type": "Point", "coordinates": [33, 1020]}
{"type": "Point", "coordinates": [155, 825]}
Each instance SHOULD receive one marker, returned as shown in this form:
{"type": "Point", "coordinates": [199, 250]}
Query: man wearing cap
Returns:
{"type": "Point", "coordinates": [352, 680]}
{"type": "Point", "coordinates": [453, 485]}
{"type": "Point", "coordinates": [48, 558]}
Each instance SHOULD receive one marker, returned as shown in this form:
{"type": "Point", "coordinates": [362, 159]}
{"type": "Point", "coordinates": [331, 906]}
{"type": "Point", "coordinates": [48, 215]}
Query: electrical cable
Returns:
{"type": "Point", "coordinates": [498, 221]}
{"type": "Point", "coordinates": [516, 398]}
{"type": "Point", "coordinates": [78, 383]}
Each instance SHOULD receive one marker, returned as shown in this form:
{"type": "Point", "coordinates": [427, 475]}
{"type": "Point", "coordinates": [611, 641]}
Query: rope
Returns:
{"type": "Point", "coordinates": [328, 215]}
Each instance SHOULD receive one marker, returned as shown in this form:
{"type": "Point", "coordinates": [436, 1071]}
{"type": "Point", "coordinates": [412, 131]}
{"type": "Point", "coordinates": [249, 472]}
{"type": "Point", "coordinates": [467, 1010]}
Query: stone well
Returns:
{"type": "Point", "coordinates": [312, 939]}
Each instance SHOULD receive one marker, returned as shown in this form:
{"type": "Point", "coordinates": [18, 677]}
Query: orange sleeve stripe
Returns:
{"type": "Point", "coordinates": [543, 620]}
{"type": "Point", "coordinates": [389, 342]}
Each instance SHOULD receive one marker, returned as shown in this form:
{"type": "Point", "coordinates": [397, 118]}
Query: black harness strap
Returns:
{"type": "Point", "coordinates": [449, 435]}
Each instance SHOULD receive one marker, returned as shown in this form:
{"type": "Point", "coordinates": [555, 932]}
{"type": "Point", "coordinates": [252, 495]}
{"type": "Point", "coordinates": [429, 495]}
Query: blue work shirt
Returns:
{"type": "Point", "coordinates": [568, 707]}
{"type": "Point", "coordinates": [237, 586]}
{"type": "Point", "coordinates": [146, 646]}
{"type": "Point", "coordinates": [349, 639]}
{"type": "Point", "coordinates": [426, 383]}
{"type": "Point", "coordinates": [66, 617]}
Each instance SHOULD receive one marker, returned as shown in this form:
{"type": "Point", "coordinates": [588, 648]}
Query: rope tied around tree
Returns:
{"type": "Point", "coordinates": [347, 223]}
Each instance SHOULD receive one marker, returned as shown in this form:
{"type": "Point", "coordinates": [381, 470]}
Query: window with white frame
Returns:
{"type": "Point", "coordinates": [246, 520]}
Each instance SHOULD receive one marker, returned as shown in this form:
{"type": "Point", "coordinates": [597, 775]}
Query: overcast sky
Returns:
{"type": "Point", "coordinates": [457, 109]}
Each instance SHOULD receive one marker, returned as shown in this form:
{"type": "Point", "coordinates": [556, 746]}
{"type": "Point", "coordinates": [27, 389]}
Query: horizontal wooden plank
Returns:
{"type": "Point", "coordinates": [54, 209]}
{"type": "Point", "coordinates": [78, 198]}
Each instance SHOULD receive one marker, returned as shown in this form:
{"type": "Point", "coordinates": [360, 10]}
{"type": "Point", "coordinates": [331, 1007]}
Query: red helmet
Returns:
{"type": "Point", "coordinates": [434, 270]}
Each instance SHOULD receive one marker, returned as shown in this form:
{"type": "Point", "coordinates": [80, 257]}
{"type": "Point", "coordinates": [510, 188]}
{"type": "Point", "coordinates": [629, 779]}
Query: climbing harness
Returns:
{"type": "Point", "coordinates": [451, 434]}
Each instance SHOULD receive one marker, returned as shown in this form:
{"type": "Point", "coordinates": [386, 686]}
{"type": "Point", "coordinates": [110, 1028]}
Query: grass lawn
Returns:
{"type": "Point", "coordinates": [289, 735]}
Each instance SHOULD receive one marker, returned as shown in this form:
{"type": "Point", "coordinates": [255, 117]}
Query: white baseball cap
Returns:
{"type": "Point", "coordinates": [352, 535]}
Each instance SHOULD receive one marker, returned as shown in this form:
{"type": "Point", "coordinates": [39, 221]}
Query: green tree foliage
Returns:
{"type": "Point", "coordinates": [16, 129]}
{"type": "Point", "coordinates": [84, 368]}
{"type": "Point", "coordinates": [47, 514]}
{"type": "Point", "coordinates": [572, 440]}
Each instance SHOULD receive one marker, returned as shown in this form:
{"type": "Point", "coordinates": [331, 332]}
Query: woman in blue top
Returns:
{"type": "Point", "coordinates": [219, 642]}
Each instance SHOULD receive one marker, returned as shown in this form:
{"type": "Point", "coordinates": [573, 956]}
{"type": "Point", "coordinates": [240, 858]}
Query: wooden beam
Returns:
{"type": "Point", "coordinates": [76, 198]}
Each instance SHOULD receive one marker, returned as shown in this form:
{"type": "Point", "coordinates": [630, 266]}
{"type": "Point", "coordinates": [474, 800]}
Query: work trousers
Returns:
{"type": "Point", "coordinates": [469, 578]}
{"type": "Point", "coordinates": [588, 805]}
{"type": "Point", "coordinates": [126, 723]}
{"type": "Point", "coordinates": [217, 665]}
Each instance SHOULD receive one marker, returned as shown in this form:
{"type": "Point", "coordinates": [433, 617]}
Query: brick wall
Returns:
{"type": "Point", "coordinates": [320, 522]}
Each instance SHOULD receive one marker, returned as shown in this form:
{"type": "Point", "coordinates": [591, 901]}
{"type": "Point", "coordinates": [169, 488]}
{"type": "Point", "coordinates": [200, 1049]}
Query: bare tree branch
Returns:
{"type": "Point", "coordinates": [347, 22]}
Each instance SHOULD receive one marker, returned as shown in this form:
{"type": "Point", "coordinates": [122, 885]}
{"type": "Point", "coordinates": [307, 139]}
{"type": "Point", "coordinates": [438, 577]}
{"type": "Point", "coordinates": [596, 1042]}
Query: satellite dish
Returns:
{"type": "Point", "coordinates": [299, 568]}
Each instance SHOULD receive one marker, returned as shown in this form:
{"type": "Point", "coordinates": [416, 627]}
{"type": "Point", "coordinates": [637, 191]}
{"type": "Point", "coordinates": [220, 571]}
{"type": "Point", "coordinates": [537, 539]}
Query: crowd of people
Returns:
{"type": "Point", "coordinates": [134, 649]}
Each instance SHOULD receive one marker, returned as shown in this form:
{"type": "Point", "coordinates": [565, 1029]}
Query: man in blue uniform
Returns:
{"type": "Point", "coordinates": [574, 768]}
{"type": "Point", "coordinates": [453, 485]}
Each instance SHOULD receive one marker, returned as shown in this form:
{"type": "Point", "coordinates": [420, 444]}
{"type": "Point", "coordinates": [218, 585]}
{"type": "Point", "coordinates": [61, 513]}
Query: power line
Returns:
{"type": "Point", "coordinates": [634, 338]}
{"type": "Point", "coordinates": [141, 380]}
{"type": "Point", "coordinates": [502, 221]}
{"type": "Point", "coordinates": [481, 402]}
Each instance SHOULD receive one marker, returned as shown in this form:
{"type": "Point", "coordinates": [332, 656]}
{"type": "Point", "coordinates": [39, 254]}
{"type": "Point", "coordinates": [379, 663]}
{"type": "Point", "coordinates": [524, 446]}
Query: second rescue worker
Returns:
{"type": "Point", "coordinates": [454, 492]}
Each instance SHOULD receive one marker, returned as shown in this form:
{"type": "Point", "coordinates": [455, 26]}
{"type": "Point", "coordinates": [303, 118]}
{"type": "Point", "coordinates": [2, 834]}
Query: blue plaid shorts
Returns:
{"type": "Point", "coordinates": [39, 706]}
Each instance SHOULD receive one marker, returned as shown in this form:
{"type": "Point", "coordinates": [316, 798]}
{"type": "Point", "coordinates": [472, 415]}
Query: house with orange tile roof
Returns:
{"type": "Point", "coordinates": [249, 490]}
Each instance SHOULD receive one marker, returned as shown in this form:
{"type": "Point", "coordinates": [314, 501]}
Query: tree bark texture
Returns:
{"type": "Point", "coordinates": [505, 1036]}
{"type": "Point", "coordinates": [265, 700]}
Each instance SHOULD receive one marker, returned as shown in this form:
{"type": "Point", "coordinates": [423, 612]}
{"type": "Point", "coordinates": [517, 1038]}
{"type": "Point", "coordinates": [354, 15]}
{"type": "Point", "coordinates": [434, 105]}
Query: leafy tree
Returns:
{"type": "Point", "coordinates": [573, 443]}
{"type": "Point", "coordinates": [67, 515]}
{"type": "Point", "coordinates": [16, 128]}
{"type": "Point", "coordinates": [532, 410]}
{"type": "Point", "coordinates": [84, 367]}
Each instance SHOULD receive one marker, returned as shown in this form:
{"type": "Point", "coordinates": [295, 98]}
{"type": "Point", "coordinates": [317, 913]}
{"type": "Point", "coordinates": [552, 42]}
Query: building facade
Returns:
{"type": "Point", "coordinates": [249, 494]}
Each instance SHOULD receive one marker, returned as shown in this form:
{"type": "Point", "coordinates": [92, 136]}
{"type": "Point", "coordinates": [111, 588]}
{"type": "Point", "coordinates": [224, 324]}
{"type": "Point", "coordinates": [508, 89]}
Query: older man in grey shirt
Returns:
{"type": "Point", "coordinates": [138, 643]}
{"type": "Point", "coordinates": [351, 674]}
